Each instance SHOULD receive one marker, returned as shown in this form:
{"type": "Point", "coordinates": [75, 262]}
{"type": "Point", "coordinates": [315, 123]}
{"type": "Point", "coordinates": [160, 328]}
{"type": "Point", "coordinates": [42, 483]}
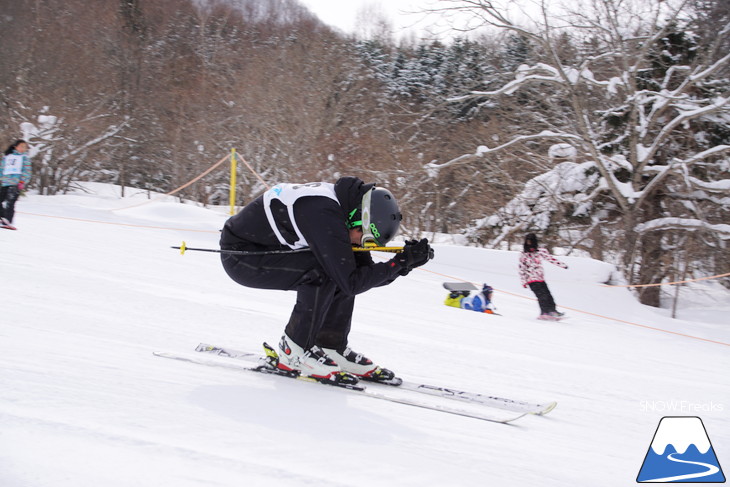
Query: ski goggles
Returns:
{"type": "Point", "coordinates": [369, 232]}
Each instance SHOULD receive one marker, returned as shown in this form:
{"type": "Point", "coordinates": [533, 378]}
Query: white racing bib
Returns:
{"type": "Point", "coordinates": [288, 194]}
{"type": "Point", "coordinates": [13, 164]}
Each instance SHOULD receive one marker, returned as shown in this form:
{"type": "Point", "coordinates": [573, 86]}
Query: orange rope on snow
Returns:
{"type": "Point", "coordinates": [119, 224]}
{"type": "Point", "coordinates": [667, 283]}
{"type": "Point", "coordinates": [254, 172]}
{"type": "Point", "coordinates": [197, 178]}
{"type": "Point", "coordinates": [591, 314]}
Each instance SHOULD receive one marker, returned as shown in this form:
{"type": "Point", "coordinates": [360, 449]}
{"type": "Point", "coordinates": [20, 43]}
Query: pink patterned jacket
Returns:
{"type": "Point", "coordinates": [531, 266]}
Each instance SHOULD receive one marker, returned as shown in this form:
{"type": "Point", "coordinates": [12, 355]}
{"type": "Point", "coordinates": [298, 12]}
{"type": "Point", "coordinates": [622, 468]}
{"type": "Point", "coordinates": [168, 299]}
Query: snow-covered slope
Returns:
{"type": "Point", "coordinates": [89, 288]}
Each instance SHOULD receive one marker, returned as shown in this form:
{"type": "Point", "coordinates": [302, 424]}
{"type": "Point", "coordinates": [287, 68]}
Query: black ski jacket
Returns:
{"type": "Point", "coordinates": [323, 223]}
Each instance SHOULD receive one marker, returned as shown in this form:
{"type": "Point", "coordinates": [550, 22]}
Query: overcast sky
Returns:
{"type": "Point", "coordinates": [404, 15]}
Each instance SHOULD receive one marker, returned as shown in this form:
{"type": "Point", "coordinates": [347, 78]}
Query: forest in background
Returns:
{"type": "Point", "coordinates": [472, 135]}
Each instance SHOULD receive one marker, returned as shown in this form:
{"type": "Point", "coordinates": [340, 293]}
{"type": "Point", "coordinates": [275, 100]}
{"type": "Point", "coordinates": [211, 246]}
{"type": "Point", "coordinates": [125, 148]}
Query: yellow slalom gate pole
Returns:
{"type": "Point", "coordinates": [232, 189]}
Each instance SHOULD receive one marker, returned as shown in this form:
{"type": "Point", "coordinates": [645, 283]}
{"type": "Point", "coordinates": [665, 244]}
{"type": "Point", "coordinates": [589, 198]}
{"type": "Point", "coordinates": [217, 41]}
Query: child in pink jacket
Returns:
{"type": "Point", "coordinates": [533, 275]}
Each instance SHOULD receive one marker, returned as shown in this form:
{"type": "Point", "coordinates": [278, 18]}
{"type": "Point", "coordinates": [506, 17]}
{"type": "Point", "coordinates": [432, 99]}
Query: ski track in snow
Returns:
{"type": "Point", "coordinates": [83, 402]}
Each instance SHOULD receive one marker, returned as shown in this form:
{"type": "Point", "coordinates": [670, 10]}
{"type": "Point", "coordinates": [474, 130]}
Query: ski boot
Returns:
{"type": "Point", "coordinates": [313, 363]}
{"type": "Point", "coordinates": [357, 364]}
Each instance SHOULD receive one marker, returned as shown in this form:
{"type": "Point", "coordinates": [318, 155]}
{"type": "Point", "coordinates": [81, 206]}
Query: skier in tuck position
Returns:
{"type": "Point", "coordinates": [325, 221]}
{"type": "Point", "coordinates": [533, 275]}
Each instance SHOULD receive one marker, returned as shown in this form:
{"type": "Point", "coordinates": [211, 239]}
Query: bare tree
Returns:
{"type": "Point", "coordinates": [54, 88]}
{"type": "Point", "coordinates": [637, 115]}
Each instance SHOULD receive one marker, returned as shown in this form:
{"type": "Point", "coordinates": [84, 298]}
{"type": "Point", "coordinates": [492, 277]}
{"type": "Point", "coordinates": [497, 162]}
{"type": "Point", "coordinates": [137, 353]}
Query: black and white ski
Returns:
{"type": "Point", "coordinates": [246, 364]}
{"type": "Point", "coordinates": [439, 391]}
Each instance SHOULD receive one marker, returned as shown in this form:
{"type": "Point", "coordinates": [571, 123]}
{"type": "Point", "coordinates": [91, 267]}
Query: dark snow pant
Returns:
{"type": "Point", "coordinates": [544, 297]}
{"type": "Point", "coordinates": [8, 197]}
{"type": "Point", "coordinates": [322, 314]}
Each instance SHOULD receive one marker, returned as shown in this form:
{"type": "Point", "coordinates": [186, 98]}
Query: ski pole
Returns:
{"type": "Point", "coordinates": [183, 248]}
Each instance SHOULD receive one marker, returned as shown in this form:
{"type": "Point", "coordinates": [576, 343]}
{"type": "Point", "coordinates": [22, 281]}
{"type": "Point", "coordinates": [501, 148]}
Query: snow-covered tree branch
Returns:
{"type": "Point", "coordinates": [646, 98]}
{"type": "Point", "coordinates": [60, 148]}
{"type": "Point", "coordinates": [483, 150]}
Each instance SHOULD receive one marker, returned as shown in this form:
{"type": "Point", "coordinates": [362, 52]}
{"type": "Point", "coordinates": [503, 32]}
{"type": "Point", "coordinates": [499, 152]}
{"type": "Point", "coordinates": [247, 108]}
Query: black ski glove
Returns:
{"type": "Point", "coordinates": [415, 253]}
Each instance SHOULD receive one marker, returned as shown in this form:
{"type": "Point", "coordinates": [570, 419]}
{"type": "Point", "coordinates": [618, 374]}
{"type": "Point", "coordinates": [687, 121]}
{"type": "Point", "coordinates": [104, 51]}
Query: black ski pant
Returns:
{"type": "Point", "coordinates": [322, 314]}
{"type": "Point", "coordinates": [8, 197]}
{"type": "Point", "coordinates": [544, 297]}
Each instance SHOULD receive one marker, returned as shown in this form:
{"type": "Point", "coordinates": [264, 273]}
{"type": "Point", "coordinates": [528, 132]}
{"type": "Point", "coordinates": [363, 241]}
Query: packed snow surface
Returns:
{"type": "Point", "coordinates": [90, 288]}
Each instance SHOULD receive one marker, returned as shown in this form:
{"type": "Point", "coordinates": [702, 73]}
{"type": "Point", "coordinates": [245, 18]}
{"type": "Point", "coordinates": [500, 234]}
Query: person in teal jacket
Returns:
{"type": "Point", "coordinates": [14, 176]}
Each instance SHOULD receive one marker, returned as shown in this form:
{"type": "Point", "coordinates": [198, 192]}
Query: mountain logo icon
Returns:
{"type": "Point", "coordinates": [681, 452]}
